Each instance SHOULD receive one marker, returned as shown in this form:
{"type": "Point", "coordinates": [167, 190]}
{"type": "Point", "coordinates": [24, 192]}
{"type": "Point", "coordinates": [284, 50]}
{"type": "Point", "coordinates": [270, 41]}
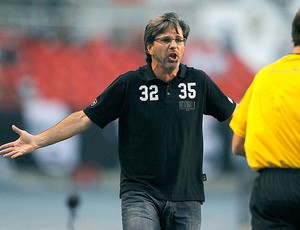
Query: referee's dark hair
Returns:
{"type": "Point", "coordinates": [296, 29]}
{"type": "Point", "coordinates": [159, 25]}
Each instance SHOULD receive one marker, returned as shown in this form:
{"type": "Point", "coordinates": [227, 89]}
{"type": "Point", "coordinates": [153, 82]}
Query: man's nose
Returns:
{"type": "Point", "coordinates": [173, 43]}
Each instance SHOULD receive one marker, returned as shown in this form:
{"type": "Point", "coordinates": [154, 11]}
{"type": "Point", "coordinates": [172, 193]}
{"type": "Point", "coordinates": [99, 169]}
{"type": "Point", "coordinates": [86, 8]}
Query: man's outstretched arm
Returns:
{"type": "Point", "coordinates": [75, 123]}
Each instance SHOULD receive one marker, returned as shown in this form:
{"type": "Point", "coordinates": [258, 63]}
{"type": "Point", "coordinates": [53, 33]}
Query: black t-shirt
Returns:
{"type": "Point", "coordinates": [160, 129]}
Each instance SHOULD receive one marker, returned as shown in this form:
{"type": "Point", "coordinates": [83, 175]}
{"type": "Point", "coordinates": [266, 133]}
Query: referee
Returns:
{"type": "Point", "coordinates": [160, 107]}
{"type": "Point", "coordinates": [266, 128]}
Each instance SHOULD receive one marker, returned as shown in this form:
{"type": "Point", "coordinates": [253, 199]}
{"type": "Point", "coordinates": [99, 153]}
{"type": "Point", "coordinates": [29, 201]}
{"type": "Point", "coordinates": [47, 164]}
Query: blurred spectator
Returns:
{"type": "Point", "coordinates": [38, 113]}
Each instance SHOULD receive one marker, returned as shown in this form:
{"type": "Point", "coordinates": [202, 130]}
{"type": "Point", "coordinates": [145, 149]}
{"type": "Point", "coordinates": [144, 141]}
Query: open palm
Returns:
{"type": "Point", "coordinates": [23, 145]}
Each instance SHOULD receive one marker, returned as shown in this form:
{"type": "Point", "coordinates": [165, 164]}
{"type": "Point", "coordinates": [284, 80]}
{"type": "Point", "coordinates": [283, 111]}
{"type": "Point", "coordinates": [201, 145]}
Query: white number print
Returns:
{"type": "Point", "coordinates": [149, 93]}
{"type": "Point", "coordinates": [187, 90]}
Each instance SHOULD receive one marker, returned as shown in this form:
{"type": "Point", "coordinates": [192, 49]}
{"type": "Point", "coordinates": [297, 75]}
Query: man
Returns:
{"type": "Point", "coordinates": [266, 129]}
{"type": "Point", "coordinates": [160, 108]}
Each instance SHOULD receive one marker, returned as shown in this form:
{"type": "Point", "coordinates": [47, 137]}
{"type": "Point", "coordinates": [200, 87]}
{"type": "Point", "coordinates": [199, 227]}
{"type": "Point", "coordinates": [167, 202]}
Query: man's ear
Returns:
{"type": "Point", "coordinates": [150, 49]}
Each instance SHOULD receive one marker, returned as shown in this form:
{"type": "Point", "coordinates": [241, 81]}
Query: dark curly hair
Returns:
{"type": "Point", "coordinates": [296, 29]}
{"type": "Point", "coordinates": [159, 25]}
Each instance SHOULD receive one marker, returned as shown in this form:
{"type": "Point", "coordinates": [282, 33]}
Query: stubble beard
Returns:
{"type": "Point", "coordinates": [170, 66]}
{"type": "Point", "coordinates": [167, 65]}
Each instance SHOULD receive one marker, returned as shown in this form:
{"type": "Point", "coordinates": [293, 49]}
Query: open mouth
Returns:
{"type": "Point", "coordinates": [173, 57]}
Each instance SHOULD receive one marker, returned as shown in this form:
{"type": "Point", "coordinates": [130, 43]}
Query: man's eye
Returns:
{"type": "Point", "coordinates": [166, 40]}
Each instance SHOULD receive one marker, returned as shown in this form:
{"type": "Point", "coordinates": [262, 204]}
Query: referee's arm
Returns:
{"type": "Point", "coordinates": [238, 145]}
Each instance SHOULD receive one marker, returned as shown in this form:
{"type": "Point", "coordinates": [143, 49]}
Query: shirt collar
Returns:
{"type": "Point", "coordinates": [151, 76]}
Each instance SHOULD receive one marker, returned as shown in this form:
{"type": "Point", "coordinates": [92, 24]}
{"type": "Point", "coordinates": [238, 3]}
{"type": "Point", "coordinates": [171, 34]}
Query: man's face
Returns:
{"type": "Point", "coordinates": [167, 49]}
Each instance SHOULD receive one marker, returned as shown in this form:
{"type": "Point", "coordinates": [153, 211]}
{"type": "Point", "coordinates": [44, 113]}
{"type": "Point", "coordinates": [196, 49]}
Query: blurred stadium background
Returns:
{"type": "Point", "coordinates": [56, 56]}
